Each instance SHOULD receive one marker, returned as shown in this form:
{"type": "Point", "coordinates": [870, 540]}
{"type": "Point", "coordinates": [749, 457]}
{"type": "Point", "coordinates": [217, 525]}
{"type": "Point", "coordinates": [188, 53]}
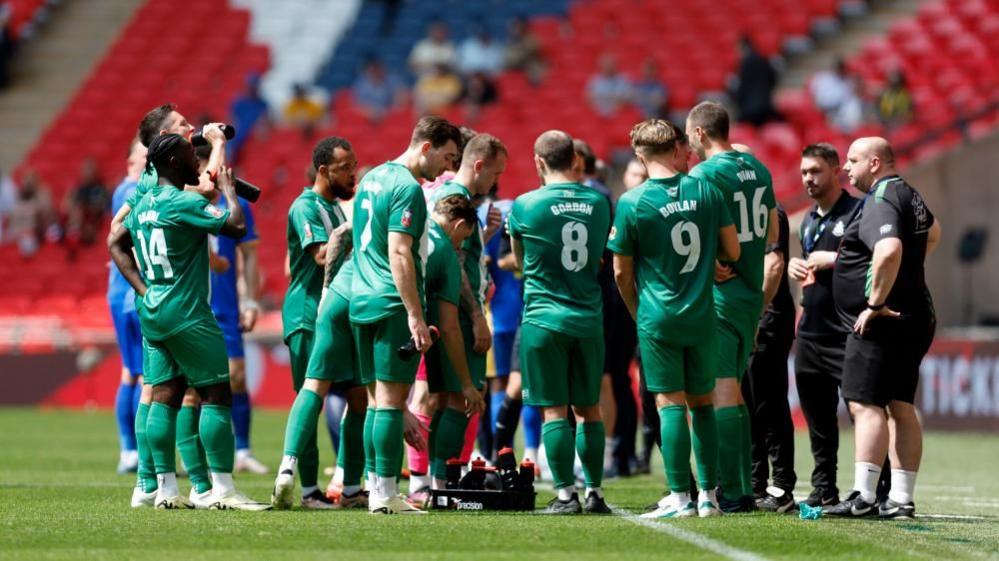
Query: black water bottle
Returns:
{"type": "Point", "coordinates": [246, 189]}
{"type": "Point", "coordinates": [408, 350]}
{"type": "Point", "coordinates": [198, 139]}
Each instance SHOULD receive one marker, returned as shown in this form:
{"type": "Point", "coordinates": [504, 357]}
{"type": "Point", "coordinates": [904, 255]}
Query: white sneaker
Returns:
{"type": "Point", "coordinates": [708, 505]}
{"type": "Point", "coordinates": [672, 506]}
{"type": "Point", "coordinates": [142, 499]}
{"type": "Point", "coordinates": [234, 500]}
{"type": "Point", "coordinates": [201, 501]}
{"type": "Point", "coordinates": [392, 505]}
{"type": "Point", "coordinates": [284, 488]}
{"type": "Point", "coordinates": [247, 463]}
{"type": "Point", "coordinates": [170, 503]}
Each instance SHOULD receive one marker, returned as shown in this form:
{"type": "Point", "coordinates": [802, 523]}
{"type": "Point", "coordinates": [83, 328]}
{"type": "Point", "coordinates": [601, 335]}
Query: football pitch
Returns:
{"type": "Point", "coordinates": [60, 499]}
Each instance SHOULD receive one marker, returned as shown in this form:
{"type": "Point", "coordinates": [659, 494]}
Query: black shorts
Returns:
{"type": "Point", "coordinates": [820, 356]}
{"type": "Point", "coordinates": [515, 354]}
{"type": "Point", "coordinates": [883, 365]}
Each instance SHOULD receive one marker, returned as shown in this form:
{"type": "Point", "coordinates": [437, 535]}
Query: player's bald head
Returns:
{"type": "Point", "coordinates": [556, 150]}
{"type": "Point", "coordinates": [874, 146]}
{"type": "Point", "coordinates": [869, 159]}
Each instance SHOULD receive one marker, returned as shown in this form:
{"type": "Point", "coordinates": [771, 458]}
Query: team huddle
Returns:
{"type": "Point", "coordinates": [397, 294]}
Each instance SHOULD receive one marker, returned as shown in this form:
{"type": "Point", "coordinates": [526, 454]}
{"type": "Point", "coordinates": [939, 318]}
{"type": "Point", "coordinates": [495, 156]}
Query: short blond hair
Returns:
{"type": "Point", "coordinates": [654, 137]}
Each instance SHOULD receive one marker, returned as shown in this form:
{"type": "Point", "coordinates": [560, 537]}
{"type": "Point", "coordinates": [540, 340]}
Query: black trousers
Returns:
{"type": "Point", "coordinates": [621, 342]}
{"type": "Point", "coordinates": [619, 369]}
{"type": "Point", "coordinates": [818, 365]}
{"type": "Point", "coordinates": [765, 391]}
{"type": "Point", "coordinates": [651, 435]}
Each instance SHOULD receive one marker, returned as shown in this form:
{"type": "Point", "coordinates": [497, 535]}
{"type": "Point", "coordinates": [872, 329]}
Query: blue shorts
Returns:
{"type": "Point", "coordinates": [129, 334]}
{"type": "Point", "coordinates": [503, 352]}
{"type": "Point", "coordinates": [232, 334]}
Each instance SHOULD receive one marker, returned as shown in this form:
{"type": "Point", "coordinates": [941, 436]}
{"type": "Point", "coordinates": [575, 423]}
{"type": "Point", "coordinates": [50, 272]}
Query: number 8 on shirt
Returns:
{"type": "Point", "coordinates": [563, 229]}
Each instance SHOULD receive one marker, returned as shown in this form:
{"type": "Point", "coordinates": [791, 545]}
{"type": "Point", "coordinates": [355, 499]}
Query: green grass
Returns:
{"type": "Point", "coordinates": [60, 499]}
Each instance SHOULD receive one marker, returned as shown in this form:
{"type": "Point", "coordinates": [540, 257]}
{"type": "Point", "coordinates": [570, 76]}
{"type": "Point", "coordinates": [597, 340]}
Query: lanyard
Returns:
{"type": "Point", "coordinates": [809, 241]}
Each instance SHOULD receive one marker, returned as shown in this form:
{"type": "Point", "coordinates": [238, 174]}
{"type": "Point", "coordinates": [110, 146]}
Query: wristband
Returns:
{"type": "Point", "coordinates": [877, 308]}
{"type": "Point", "coordinates": [250, 305]}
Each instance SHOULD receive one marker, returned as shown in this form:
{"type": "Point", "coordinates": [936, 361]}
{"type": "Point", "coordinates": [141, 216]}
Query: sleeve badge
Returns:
{"type": "Point", "coordinates": [214, 211]}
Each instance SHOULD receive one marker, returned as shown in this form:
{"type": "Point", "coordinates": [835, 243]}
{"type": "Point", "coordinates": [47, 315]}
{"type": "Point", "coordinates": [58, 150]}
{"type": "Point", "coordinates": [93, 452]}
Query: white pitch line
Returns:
{"type": "Point", "coordinates": [949, 517]}
{"type": "Point", "coordinates": [982, 504]}
{"type": "Point", "coordinates": [690, 537]}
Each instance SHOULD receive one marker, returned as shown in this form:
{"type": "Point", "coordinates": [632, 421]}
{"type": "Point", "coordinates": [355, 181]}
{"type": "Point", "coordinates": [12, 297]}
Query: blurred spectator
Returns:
{"type": "Point", "coordinates": [835, 93]}
{"type": "Point", "coordinates": [523, 52]}
{"type": "Point", "coordinates": [377, 92]}
{"type": "Point", "coordinates": [247, 110]}
{"type": "Point", "coordinates": [7, 43]}
{"type": "Point", "coordinates": [479, 91]}
{"type": "Point", "coordinates": [433, 51]}
{"type": "Point", "coordinates": [302, 111]}
{"type": "Point", "coordinates": [86, 206]}
{"type": "Point", "coordinates": [608, 89]}
{"type": "Point", "coordinates": [634, 174]}
{"type": "Point", "coordinates": [480, 53]}
{"type": "Point", "coordinates": [895, 102]}
{"type": "Point", "coordinates": [436, 90]}
{"type": "Point", "coordinates": [8, 198]}
{"type": "Point", "coordinates": [593, 172]}
{"type": "Point", "coordinates": [754, 92]}
{"type": "Point", "coordinates": [32, 215]}
{"type": "Point", "coordinates": [649, 93]}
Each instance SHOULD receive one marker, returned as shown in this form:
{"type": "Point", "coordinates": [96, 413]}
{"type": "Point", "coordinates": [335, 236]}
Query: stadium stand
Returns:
{"type": "Point", "coordinates": [25, 13]}
{"type": "Point", "coordinates": [100, 122]}
{"type": "Point", "coordinates": [950, 69]}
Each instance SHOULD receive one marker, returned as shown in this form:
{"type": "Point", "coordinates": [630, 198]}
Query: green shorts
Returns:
{"type": "Point", "coordinates": [735, 345]}
{"type": "Point", "coordinates": [197, 353]}
{"type": "Point", "coordinates": [333, 352]}
{"type": "Point", "coordinates": [377, 345]}
{"type": "Point", "coordinates": [560, 369]}
{"type": "Point", "coordinates": [669, 368]}
{"type": "Point", "coordinates": [299, 349]}
{"type": "Point", "coordinates": [441, 376]}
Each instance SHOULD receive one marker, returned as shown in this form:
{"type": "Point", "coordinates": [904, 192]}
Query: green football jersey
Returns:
{"type": "Point", "coordinates": [443, 272]}
{"type": "Point", "coordinates": [475, 262]}
{"type": "Point", "coordinates": [746, 185]}
{"type": "Point", "coordinates": [147, 180]}
{"type": "Point", "coordinates": [563, 228]}
{"type": "Point", "coordinates": [341, 282]}
{"type": "Point", "coordinates": [670, 228]}
{"type": "Point", "coordinates": [169, 229]}
{"type": "Point", "coordinates": [389, 199]}
{"type": "Point", "coordinates": [311, 218]}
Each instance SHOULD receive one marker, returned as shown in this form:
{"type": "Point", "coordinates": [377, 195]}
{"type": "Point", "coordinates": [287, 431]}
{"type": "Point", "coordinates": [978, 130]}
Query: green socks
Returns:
{"type": "Point", "coordinates": [191, 449]}
{"type": "Point", "coordinates": [387, 440]}
{"type": "Point", "coordinates": [369, 440]}
{"type": "Point", "coordinates": [557, 438]}
{"type": "Point", "coordinates": [301, 422]}
{"type": "Point", "coordinates": [146, 472]}
{"type": "Point", "coordinates": [746, 453]}
{"type": "Point", "coordinates": [705, 441]}
{"type": "Point", "coordinates": [729, 422]}
{"type": "Point", "coordinates": [590, 442]}
{"type": "Point", "coordinates": [449, 439]}
{"type": "Point", "coordinates": [350, 456]}
{"type": "Point", "coordinates": [435, 423]}
{"type": "Point", "coordinates": [216, 434]}
{"type": "Point", "coordinates": [300, 435]}
{"type": "Point", "coordinates": [676, 447]}
{"type": "Point", "coordinates": [161, 432]}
